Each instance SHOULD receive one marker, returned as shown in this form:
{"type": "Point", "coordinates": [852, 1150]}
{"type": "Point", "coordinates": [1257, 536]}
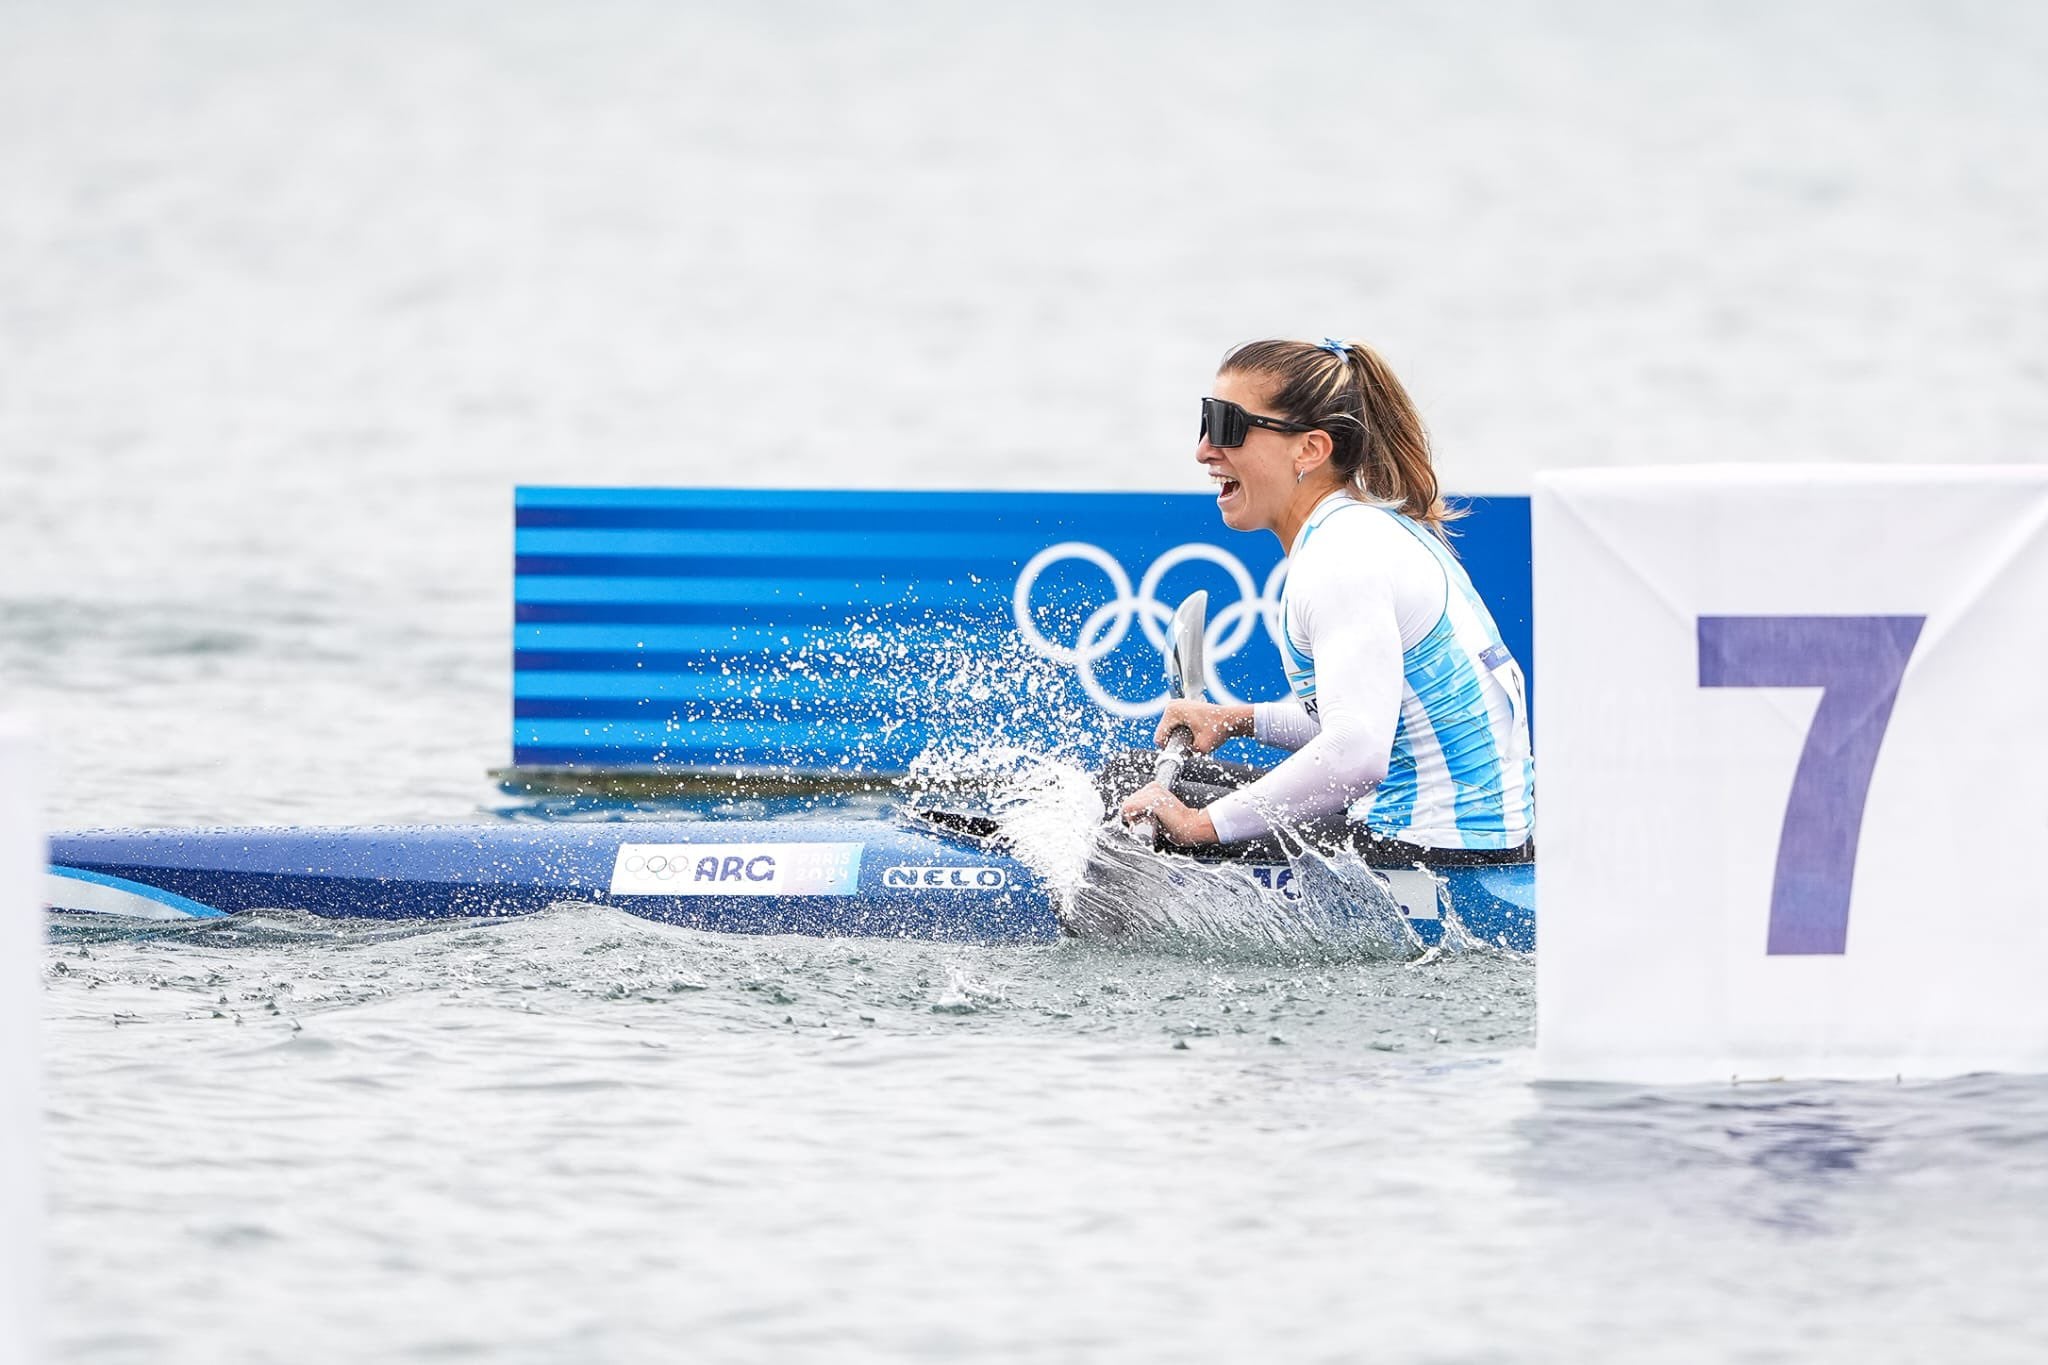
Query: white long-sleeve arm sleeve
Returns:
{"type": "Point", "coordinates": [1356, 637]}
{"type": "Point", "coordinates": [1282, 724]}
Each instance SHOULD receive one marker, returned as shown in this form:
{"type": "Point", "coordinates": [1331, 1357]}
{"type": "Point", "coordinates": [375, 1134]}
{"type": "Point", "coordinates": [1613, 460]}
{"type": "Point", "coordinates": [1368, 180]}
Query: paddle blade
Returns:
{"type": "Point", "coordinates": [1184, 676]}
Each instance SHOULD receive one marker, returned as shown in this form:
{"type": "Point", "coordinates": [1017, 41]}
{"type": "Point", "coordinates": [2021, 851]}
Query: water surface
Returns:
{"type": "Point", "coordinates": [291, 295]}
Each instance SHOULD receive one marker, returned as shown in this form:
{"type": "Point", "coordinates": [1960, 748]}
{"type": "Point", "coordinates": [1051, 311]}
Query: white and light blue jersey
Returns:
{"type": "Point", "coordinates": [1458, 769]}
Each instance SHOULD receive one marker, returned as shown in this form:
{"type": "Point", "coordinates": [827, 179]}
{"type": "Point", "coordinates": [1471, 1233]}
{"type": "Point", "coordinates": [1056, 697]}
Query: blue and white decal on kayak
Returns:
{"type": "Point", "coordinates": [94, 893]}
{"type": "Point", "coordinates": [736, 870]}
{"type": "Point", "coordinates": [975, 877]}
{"type": "Point", "coordinates": [1413, 889]}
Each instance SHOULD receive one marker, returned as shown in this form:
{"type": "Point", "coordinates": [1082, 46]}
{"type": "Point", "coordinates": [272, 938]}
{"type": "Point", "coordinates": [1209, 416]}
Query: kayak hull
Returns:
{"type": "Point", "coordinates": [863, 877]}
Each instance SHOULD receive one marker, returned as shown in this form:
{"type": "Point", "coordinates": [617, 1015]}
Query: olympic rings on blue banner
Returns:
{"type": "Point", "coordinates": [1228, 630]}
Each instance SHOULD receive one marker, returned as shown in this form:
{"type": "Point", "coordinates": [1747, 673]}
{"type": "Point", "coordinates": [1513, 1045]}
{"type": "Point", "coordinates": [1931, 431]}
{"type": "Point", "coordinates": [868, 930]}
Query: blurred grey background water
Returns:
{"type": "Point", "coordinates": [292, 294]}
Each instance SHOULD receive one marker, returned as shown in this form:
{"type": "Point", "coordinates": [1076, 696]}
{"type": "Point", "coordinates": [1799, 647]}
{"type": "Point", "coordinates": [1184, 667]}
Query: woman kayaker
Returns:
{"type": "Point", "coordinates": [1408, 723]}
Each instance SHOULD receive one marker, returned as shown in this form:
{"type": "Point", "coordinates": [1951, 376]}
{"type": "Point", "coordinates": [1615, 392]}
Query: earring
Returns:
{"type": "Point", "coordinates": [1300, 474]}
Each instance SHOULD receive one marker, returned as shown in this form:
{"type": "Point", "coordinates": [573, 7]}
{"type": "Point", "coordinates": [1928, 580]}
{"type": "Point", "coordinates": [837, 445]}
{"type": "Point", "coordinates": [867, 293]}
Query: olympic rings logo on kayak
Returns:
{"type": "Point", "coordinates": [1227, 631]}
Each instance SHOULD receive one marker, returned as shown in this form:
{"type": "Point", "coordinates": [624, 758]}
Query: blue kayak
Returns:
{"type": "Point", "coordinates": [847, 876]}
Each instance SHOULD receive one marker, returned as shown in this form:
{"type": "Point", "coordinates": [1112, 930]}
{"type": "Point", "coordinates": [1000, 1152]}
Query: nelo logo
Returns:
{"type": "Point", "coordinates": [945, 878]}
{"type": "Point", "coordinates": [760, 868]}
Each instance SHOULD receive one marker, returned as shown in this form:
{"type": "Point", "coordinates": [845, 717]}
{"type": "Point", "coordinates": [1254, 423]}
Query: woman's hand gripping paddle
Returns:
{"type": "Point", "coordinates": [1184, 678]}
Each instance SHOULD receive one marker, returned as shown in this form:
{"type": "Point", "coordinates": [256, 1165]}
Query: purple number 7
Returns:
{"type": "Point", "coordinates": [1857, 662]}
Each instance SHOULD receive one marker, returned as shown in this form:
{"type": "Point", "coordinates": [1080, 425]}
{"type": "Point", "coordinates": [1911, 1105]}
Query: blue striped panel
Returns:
{"type": "Point", "coordinates": [743, 758]}
{"type": "Point", "coordinates": [846, 688]}
{"type": "Point", "coordinates": [806, 746]}
{"type": "Point", "coordinates": [609, 668]}
{"type": "Point", "coordinates": [808, 520]}
{"type": "Point", "coordinates": [709, 710]}
{"type": "Point", "coordinates": [895, 501]}
{"type": "Point", "coordinates": [655, 627]}
{"type": "Point", "coordinates": [652, 734]}
{"type": "Point", "coordinates": [710, 609]}
{"type": "Point", "coordinates": [739, 694]}
{"type": "Point", "coordinates": [625, 635]}
{"type": "Point", "coordinates": [959, 547]}
{"type": "Point", "coordinates": [921, 566]}
{"type": "Point", "coordinates": [734, 640]}
{"type": "Point", "coordinates": [748, 592]}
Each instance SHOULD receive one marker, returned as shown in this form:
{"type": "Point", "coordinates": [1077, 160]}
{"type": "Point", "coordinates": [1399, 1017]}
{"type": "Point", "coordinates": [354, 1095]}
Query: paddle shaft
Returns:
{"type": "Point", "coordinates": [1183, 679]}
{"type": "Point", "coordinates": [1165, 772]}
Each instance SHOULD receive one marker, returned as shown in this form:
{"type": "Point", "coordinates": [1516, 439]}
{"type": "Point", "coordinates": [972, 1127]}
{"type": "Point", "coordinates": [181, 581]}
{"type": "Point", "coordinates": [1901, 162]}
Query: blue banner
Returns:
{"type": "Point", "coordinates": [844, 632]}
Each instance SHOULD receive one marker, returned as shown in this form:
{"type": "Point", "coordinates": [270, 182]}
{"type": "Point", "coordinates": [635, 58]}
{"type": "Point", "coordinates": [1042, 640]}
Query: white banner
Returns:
{"type": "Point", "coordinates": [21, 955]}
{"type": "Point", "coordinates": [1789, 725]}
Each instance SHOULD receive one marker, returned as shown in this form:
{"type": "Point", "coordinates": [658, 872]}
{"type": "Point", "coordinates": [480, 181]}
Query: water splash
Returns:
{"type": "Point", "coordinates": [1108, 888]}
{"type": "Point", "coordinates": [1318, 907]}
{"type": "Point", "coordinates": [965, 993]}
{"type": "Point", "coordinates": [893, 679]}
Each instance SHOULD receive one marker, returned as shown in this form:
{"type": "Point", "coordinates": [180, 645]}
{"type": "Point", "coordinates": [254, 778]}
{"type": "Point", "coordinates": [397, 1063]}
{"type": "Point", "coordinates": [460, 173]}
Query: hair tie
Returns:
{"type": "Point", "coordinates": [1336, 348]}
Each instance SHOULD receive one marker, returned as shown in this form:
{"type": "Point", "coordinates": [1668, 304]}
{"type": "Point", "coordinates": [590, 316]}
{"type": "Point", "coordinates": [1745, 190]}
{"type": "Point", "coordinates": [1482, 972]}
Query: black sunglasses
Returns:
{"type": "Point", "coordinates": [1225, 424]}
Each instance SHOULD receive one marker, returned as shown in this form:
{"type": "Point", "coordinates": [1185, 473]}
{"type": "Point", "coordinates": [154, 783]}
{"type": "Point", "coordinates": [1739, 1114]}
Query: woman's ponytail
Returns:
{"type": "Point", "coordinates": [1378, 443]}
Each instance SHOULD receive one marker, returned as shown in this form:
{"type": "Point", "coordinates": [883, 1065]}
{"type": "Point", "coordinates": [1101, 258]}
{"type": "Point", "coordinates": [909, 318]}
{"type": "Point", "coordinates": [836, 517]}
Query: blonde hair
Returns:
{"type": "Point", "coordinates": [1377, 442]}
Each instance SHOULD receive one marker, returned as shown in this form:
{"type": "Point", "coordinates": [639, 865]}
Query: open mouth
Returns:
{"type": "Point", "coordinates": [1225, 486]}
